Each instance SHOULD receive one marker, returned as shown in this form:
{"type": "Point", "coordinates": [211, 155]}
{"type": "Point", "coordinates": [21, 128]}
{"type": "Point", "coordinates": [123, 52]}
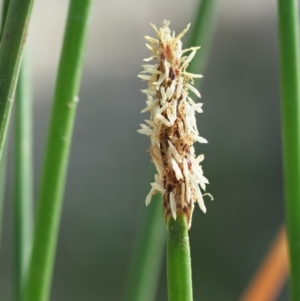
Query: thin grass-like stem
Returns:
{"type": "Point", "coordinates": [202, 33]}
{"type": "Point", "coordinates": [57, 153]}
{"type": "Point", "coordinates": [3, 164]}
{"type": "Point", "coordinates": [5, 4]}
{"type": "Point", "coordinates": [179, 271]}
{"type": "Point", "coordinates": [11, 50]}
{"type": "Point", "coordinates": [3, 161]}
{"type": "Point", "coordinates": [23, 205]}
{"type": "Point", "coordinates": [148, 254]}
{"type": "Point", "coordinates": [290, 104]}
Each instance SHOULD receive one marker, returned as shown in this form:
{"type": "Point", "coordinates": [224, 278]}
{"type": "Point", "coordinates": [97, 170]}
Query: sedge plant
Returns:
{"type": "Point", "coordinates": [149, 245]}
{"type": "Point", "coordinates": [48, 250]}
{"type": "Point", "coordinates": [172, 130]}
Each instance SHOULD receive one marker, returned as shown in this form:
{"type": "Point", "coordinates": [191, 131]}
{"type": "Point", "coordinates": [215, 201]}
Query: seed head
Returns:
{"type": "Point", "coordinates": [172, 125]}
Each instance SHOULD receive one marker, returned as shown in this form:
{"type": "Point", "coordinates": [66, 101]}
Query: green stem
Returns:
{"type": "Point", "coordinates": [202, 33]}
{"type": "Point", "coordinates": [4, 159]}
{"type": "Point", "coordinates": [24, 182]}
{"type": "Point", "coordinates": [57, 153]}
{"type": "Point", "coordinates": [11, 50]}
{"type": "Point", "coordinates": [179, 261]}
{"type": "Point", "coordinates": [5, 4]}
{"type": "Point", "coordinates": [290, 105]}
{"type": "Point", "coordinates": [3, 164]}
{"type": "Point", "coordinates": [148, 254]}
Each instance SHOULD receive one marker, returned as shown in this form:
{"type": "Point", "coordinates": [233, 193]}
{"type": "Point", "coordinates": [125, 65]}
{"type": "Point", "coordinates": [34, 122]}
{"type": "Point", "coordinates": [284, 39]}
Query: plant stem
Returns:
{"type": "Point", "coordinates": [5, 4]}
{"type": "Point", "coordinates": [202, 33]}
{"type": "Point", "coordinates": [179, 261]}
{"type": "Point", "coordinates": [57, 153]}
{"type": "Point", "coordinates": [148, 254]}
{"type": "Point", "coordinates": [269, 278]}
{"type": "Point", "coordinates": [11, 50]}
{"type": "Point", "coordinates": [23, 205]}
{"type": "Point", "coordinates": [290, 105]}
{"type": "Point", "coordinates": [4, 158]}
{"type": "Point", "coordinates": [3, 164]}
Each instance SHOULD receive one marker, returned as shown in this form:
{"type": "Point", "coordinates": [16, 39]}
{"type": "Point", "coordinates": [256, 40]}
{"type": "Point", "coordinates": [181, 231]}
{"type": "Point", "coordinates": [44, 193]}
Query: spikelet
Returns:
{"type": "Point", "coordinates": [172, 126]}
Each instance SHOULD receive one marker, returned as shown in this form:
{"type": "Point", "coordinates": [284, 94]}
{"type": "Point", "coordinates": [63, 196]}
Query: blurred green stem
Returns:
{"type": "Point", "coordinates": [148, 254]}
{"type": "Point", "coordinates": [290, 105]}
{"type": "Point", "coordinates": [11, 49]}
{"type": "Point", "coordinates": [23, 205]}
{"type": "Point", "coordinates": [57, 153]}
{"type": "Point", "coordinates": [3, 164]}
{"type": "Point", "coordinates": [5, 4]}
{"type": "Point", "coordinates": [179, 261]}
{"type": "Point", "coordinates": [202, 33]}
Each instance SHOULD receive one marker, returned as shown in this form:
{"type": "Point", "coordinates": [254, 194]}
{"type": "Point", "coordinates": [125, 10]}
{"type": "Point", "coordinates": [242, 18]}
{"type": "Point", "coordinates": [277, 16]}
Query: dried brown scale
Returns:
{"type": "Point", "coordinates": [172, 126]}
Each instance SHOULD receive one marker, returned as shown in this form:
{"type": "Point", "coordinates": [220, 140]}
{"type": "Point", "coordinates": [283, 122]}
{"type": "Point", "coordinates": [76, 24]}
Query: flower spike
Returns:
{"type": "Point", "coordinates": [172, 126]}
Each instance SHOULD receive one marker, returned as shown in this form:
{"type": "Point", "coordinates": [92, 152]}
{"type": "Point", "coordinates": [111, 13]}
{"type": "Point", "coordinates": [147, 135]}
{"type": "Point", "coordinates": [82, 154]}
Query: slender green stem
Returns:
{"type": "Point", "coordinates": [5, 4]}
{"type": "Point", "coordinates": [3, 164]}
{"type": "Point", "coordinates": [57, 153]}
{"type": "Point", "coordinates": [11, 50]}
{"type": "Point", "coordinates": [203, 32]}
{"type": "Point", "coordinates": [23, 205]}
{"type": "Point", "coordinates": [179, 261]}
{"type": "Point", "coordinates": [148, 254]}
{"type": "Point", "coordinates": [4, 159]}
{"type": "Point", "coordinates": [290, 105]}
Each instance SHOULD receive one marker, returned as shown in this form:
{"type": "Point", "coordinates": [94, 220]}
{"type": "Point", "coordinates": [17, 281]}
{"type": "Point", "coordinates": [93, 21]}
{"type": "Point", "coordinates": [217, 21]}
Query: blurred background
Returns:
{"type": "Point", "coordinates": [110, 169]}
